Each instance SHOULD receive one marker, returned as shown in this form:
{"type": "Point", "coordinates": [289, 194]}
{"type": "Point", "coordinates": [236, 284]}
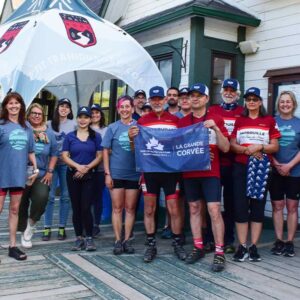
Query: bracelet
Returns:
{"type": "Point", "coordinates": [49, 170]}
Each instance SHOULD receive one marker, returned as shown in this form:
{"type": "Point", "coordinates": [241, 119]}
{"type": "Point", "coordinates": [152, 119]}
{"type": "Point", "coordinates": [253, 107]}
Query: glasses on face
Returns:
{"type": "Point", "coordinates": [36, 114]}
{"type": "Point", "coordinates": [253, 99]}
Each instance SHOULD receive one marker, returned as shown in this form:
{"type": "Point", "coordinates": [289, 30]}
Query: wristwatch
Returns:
{"type": "Point", "coordinates": [50, 170]}
{"type": "Point", "coordinates": [35, 171]}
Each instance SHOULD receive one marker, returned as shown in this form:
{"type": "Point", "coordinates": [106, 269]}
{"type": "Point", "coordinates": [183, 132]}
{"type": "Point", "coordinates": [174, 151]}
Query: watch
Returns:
{"type": "Point", "coordinates": [50, 170]}
{"type": "Point", "coordinates": [35, 171]}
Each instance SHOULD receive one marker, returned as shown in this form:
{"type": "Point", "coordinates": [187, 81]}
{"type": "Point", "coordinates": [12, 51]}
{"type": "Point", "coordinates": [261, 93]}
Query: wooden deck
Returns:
{"type": "Point", "coordinates": [52, 271]}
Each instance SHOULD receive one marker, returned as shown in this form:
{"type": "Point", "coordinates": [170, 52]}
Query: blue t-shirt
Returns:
{"type": "Point", "coordinates": [289, 142]}
{"type": "Point", "coordinates": [64, 128]}
{"type": "Point", "coordinates": [122, 159]}
{"type": "Point", "coordinates": [102, 132]}
{"type": "Point", "coordinates": [43, 151]}
{"type": "Point", "coordinates": [82, 152]}
{"type": "Point", "coordinates": [16, 143]}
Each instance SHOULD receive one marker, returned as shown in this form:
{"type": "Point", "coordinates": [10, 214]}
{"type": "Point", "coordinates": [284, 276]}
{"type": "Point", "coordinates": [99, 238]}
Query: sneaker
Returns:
{"type": "Point", "coordinates": [229, 249]}
{"type": "Point", "coordinates": [29, 231]}
{"type": "Point", "coordinates": [89, 244]}
{"type": "Point", "coordinates": [195, 255]}
{"type": "Point", "coordinates": [241, 254]}
{"type": "Point", "coordinates": [61, 235]}
{"type": "Point", "coordinates": [166, 233]}
{"type": "Point", "coordinates": [118, 248]}
{"type": "Point", "coordinates": [96, 231]}
{"type": "Point", "coordinates": [253, 254]}
{"type": "Point", "coordinates": [179, 251]}
{"type": "Point", "coordinates": [127, 247]}
{"type": "Point", "coordinates": [278, 247]}
{"type": "Point", "coordinates": [24, 243]}
{"type": "Point", "coordinates": [150, 252]}
{"type": "Point", "coordinates": [218, 264]}
{"type": "Point", "coordinates": [46, 234]}
{"type": "Point", "coordinates": [289, 249]}
{"type": "Point", "coordinates": [78, 245]}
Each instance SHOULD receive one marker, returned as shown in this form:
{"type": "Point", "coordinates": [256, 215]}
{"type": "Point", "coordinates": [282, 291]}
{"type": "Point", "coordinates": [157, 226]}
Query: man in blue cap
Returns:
{"type": "Point", "coordinates": [230, 111]}
{"type": "Point", "coordinates": [153, 182]}
{"type": "Point", "coordinates": [139, 99]}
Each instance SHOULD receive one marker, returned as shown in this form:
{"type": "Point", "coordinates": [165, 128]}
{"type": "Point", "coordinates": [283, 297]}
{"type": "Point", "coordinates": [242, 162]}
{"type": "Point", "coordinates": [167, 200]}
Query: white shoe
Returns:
{"type": "Point", "coordinates": [29, 231]}
{"type": "Point", "coordinates": [25, 244]}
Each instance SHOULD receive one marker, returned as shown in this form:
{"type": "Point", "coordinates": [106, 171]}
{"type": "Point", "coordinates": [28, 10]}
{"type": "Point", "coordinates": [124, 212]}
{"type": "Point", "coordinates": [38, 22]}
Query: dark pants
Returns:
{"type": "Point", "coordinates": [81, 195]}
{"type": "Point", "coordinates": [35, 196]}
{"type": "Point", "coordinates": [98, 186]}
{"type": "Point", "coordinates": [227, 183]}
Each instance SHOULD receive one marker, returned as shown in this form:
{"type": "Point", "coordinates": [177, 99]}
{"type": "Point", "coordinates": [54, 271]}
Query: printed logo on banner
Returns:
{"type": "Point", "coordinates": [79, 30]}
{"type": "Point", "coordinates": [154, 144]}
{"type": "Point", "coordinates": [8, 37]}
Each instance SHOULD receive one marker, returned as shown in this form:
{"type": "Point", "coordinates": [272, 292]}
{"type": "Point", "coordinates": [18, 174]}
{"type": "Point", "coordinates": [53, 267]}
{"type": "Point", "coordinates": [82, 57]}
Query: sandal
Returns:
{"type": "Point", "coordinates": [16, 253]}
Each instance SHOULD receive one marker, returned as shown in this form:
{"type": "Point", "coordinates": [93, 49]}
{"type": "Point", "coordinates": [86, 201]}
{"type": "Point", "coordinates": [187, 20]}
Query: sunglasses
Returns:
{"type": "Point", "coordinates": [253, 99]}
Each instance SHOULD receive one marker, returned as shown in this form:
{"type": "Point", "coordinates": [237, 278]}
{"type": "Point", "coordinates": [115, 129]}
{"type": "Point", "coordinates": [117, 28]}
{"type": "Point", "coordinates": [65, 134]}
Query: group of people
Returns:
{"type": "Point", "coordinates": [251, 153]}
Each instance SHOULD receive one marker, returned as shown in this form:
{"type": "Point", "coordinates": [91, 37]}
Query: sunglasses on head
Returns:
{"type": "Point", "coordinates": [253, 99]}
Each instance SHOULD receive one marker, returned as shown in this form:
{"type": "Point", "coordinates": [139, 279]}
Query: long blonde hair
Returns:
{"type": "Point", "coordinates": [36, 105]}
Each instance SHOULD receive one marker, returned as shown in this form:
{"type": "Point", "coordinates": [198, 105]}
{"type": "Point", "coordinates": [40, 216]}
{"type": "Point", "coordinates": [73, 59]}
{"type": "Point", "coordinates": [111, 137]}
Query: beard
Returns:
{"type": "Point", "coordinates": [229, 100]}
{"type": "Point", "coordinates": [172, 102]}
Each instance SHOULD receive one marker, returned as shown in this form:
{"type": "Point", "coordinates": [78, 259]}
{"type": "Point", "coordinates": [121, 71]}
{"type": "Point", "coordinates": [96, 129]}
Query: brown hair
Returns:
{"type": "Point", "coordinates": [36, 105]}
{"type": "Point", "coordinates": [4, 111]}
{"type": "Point", "coordinates": [293, 98]}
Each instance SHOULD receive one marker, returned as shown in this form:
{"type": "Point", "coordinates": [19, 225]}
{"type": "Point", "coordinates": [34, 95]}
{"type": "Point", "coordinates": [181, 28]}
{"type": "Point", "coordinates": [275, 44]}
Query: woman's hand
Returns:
{"type": "Point", "coordinates": [47, 179]}
{"type": "Point", "coordinates": [283, 169]}
{"type": "Point", "coordinates": [133, 132]}
{"type": "Point", "coordinates": [109, 182]}
{"type": "Point", "coordinates": [251, 149]}
{"type": "Point", "coordinates": [31, 179]}
{"type": "Point", "coordinates": [82, 169]}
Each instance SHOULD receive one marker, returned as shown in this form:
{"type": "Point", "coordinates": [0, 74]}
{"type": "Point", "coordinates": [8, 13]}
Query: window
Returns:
{"type": "Point", "coordinates": [222, 68]}
{"type": "Point", "coordinates": [164, 64]}
{"type": "Point", "coordinates": [287, 79]}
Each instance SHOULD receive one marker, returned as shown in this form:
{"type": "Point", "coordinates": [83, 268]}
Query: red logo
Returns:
{"type": "Point", "coordinates": [79, 30]}
{"type": "Point", "coordinates": [8, 37]}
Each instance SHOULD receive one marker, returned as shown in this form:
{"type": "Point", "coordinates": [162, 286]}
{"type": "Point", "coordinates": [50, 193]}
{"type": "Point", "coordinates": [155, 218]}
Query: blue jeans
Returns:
{"type": "Point", "coordinates": [59, 175]}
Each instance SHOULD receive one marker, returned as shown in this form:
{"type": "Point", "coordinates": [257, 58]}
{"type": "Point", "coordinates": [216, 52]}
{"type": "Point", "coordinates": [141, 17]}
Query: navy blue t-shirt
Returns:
{"type": "Point", "coordinates": [82, 152]}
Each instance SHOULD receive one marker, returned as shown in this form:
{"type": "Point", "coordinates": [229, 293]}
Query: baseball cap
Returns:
{"type": "Point", "coordinates": [146, 105]}
{"type": "Point", "coordinates": [156, 91]}
{"type": "Point", "coordinates": [65, 101]}
{"type": "Point", "coordinates": [200, 88]}
{"type": "Point", "coordinates": [139, 92]}
{"type": "Point", "coordinates": [84, 110]}
{"type": "Point", "coordinates": [184, 91]}
{"type": "Point", "coordinates": [96, 107]}
{"type": "Point", "coordinates": [253, 91]}
{"type": "Point", "coordinates": [230, 82]}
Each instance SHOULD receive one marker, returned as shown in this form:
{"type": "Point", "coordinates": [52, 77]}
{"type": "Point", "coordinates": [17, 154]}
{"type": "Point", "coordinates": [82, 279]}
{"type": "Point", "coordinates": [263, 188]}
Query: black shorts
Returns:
{"type": "Point", "coordinates": [206, 188]}
{"type": "Point", "coordinates": [126, 184]}
{"type": "Point", "coordinates": [153, 182]}
{"type": "Point", "coordinates": [284, 187]}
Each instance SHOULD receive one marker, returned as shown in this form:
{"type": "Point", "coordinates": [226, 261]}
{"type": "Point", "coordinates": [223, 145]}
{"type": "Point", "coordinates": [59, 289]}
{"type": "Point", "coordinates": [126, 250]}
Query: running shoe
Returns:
{"type": "Point", "coordinates": [253, 254]}
{"type": "Point", "coordinates": [25, 244]}
{"type": "Point", "coordinates": [150, 252]}
{"type": "Point", "coordinates": [61, 235]}
{"type": "Point", "coordinates": [89, 244]}
{"type": "Point", "coordinates": [127, 247]}
{"type": "Point", "coordinates": [218, 264]}
{"type": "Point", "coordinates": [29, 231]}
{"type": "Point", "coordinates": [78, 245]}
{"type": "Point", "coordinates": [179, 251]}
{"type": "Point", "coordinates": [278, 247]}
{"type": "Point", "coordinates": [229, 249]}
{"type": "Point", "coordinates": [46, 234]}
{"type": "Point", "coordinates": [166, 233]}
{"type": "Point", "coordinates": [118, 248]}
{"type": "Point", "coordinates": [241, 254]}
{"type": "Point", "coordinates": [289, 249]}
{"type": "Point", "coordinates": [195, 255]}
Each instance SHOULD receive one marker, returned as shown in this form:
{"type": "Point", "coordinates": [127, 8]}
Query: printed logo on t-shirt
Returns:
{"type": "Point", "coordinates": [229, 124]}
{"type": "Point", "coordinates": [253, 135]}
{"type": "Point", "coordinates": [124, 141]}
{"type": "Point", "coordinates": [18, 139]}
{"type": "Point", "coordinates": [287, 135]}
{"type": "Point", "coordinates": [39, 148]}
